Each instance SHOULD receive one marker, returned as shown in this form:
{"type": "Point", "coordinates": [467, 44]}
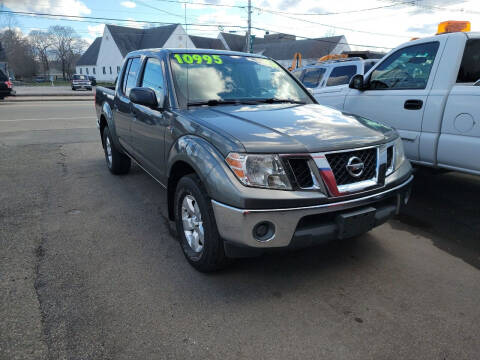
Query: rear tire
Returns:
{"type": "Point", "coordinates": [117, 162]}
{"type": "Point", "coordinates": [196, 226]}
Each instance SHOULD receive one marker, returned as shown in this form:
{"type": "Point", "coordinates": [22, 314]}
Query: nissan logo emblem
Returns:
{"type": "Point", "coordinates": [355, 166]}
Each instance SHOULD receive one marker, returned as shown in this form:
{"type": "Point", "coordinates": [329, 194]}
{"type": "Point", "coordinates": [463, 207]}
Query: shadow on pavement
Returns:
{"type": "Point", "coordinates": [445, 207]}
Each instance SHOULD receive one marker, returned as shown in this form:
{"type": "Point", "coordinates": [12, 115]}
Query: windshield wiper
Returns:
{"type": "Point", "coordinates": [277, 100]}
{"type": "Point", "coordinates": [215, 102]}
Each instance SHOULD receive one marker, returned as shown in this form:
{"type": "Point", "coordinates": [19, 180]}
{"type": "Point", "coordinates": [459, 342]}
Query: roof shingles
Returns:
{"type": "Point", "coordinates": [201, 42]}
{"type": "Point", "coordinates": [309, 48]}
{"type": "Point", "coordinates": [90, 56]}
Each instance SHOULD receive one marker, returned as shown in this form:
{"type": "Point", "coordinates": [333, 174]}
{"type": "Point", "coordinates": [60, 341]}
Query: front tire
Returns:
{"type": "Point", "coordinates": [117, 162]}
{"type": "Point", "coordinates": [196, 226]}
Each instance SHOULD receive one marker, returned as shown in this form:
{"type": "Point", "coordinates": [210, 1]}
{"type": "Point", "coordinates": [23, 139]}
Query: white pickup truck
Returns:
{"type": "Point", "coordinates": [428, 89]}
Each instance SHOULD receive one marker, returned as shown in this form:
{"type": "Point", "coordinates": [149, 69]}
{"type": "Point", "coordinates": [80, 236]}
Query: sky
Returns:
{"type": "Point", "coordinates": [367, 24]}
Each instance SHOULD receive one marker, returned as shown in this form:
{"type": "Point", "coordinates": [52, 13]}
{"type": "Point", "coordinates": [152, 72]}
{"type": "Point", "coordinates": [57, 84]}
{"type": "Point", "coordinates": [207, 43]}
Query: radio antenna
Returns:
{"type": "Point", "coordinates": [186, 47]}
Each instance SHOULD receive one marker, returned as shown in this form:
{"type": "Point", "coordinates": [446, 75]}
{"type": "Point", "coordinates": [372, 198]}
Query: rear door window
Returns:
{"type": "Point", "coordinates": [125, 75]}
{"type": "Point", "coordinates": [313, 77]}
{"type": "Point", "coordinates": [131, 78]}
{"type": "Point", "coordinates": [407, 68]}
{"type": "Point", "coordinates": [470, 68]}
{"type": "Point", "coordinates": [341, 75]}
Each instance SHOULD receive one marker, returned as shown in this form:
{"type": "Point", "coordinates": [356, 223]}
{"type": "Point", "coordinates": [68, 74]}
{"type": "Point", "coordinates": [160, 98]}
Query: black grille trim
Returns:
{"type": "Point", "coordinates": [338, 162]}
{"type": "Point", "coordinates": [301, 172]}
{"type": "Point", "coordinates": [389, 157]}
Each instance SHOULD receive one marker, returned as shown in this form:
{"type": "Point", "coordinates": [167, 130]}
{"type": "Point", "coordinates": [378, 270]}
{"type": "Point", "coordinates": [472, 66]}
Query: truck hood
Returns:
{"type": "Point", "coordinates": [290, 128]}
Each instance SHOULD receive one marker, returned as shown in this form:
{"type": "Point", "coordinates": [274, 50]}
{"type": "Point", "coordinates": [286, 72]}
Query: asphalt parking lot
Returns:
{"type": "Point", "coordinates": [88, 269]}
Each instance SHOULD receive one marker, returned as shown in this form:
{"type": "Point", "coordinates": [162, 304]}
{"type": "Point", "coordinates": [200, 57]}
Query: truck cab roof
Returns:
{"type": "Point", "coordinates": [167, 51]}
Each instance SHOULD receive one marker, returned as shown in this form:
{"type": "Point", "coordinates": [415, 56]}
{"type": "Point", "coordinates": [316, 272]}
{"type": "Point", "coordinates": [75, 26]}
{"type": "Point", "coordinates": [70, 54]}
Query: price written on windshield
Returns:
{"type": "Point", "coordinates": [198, 59]}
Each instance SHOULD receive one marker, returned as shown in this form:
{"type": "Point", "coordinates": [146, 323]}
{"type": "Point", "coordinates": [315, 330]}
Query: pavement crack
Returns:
{"type": "Point", "coordinates": [39, 284]}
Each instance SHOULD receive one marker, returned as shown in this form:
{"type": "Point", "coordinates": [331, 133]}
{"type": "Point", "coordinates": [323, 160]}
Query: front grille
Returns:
{"type": "Point", "coordinates": [301, 172]}
{"type": "Point", "coordinates": [338, 163]}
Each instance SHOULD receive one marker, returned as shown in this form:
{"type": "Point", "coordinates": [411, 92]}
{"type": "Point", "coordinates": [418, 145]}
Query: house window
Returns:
{"type": "Point", "coordinates": [93, 71]}
{"type": "Point", "coordinates": [110, 70]}
{"type": "Point", "coordinates": [86, 69]}
{"type": "Point", "coordinates": [103, 69]}
{"type": "Point", "coordinates": [118, 69]}
{"type": "Point", "coordinates": [80, 70]}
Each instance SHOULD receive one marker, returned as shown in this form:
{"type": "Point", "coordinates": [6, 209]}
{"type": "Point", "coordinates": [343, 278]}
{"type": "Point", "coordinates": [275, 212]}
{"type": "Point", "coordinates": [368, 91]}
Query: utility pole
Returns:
{"type": "Point", "coordinates": [249, 29]}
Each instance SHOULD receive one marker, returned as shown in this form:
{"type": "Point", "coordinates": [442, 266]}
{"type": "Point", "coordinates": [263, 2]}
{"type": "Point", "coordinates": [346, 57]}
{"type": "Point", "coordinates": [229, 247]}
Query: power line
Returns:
{"type": "Point", "coordinates": [93, 19]}
{"type": "Point", "coordinates": [277, 11]}
{"type": "Point", "coordinates": [72, 17]}
{"type": "Point", "coordinates": [161, 10]}
{"type": "Point", "coordinates": [344, 28]}
{"type": "Point", "coordinates": [323, 14]}
{"type": "Point", "coordinates": [201, 3]}
{"type": "Point", "coordinates": [432, 7]}
{"type": "Point", "coordinates": [323, 40]}
{"type": "Point", "coordinates": [80, 18]}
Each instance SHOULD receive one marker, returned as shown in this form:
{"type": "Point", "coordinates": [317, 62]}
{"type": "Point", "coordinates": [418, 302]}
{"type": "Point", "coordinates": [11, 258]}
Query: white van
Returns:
{"type": "Point", "coordinates": [326, 79]}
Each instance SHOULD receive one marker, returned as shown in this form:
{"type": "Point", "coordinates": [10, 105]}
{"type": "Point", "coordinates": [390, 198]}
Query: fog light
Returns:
{"type": "Point", "coordinates": [264, 231]}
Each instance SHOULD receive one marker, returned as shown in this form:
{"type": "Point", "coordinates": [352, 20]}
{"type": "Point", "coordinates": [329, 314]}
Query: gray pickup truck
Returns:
{"type": "Point", "coordinates": [249, 161]}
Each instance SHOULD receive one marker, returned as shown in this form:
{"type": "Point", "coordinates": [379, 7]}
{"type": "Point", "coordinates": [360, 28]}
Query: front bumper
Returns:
{"type": "Point", "coordinates": [303, 226]}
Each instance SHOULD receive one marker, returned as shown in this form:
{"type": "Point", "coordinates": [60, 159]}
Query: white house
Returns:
{"type": "Point", "coordinates": [282, 47]}
{"type": "Point", "coordinates": [104, 57]}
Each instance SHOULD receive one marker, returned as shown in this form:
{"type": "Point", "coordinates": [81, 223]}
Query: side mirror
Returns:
{"type": "Point", "coordinates": [144, 96]}
{"type": "Point", "coordinates": [357, 82]}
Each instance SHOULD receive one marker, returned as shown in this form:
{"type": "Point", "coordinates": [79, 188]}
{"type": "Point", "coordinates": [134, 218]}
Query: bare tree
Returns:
{"type": "Point", "coordinates": [77, 49]}
{"type": "Point", "coordinates": [41, 42]}
{"type": "Point", "coordinates": [64, 44]}
{"type": "Point", "coordinates": [20, 54]}
{"type": "Point", "coordinates": [8, 21]}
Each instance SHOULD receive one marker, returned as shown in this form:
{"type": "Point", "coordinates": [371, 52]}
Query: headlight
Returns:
{"type": "Point", "coordinates": [265, 171]}
{"type": "Point", "coordinates": [399, 153]}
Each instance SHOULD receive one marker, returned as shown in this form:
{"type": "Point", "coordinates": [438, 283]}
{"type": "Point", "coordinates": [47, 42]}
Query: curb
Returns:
{"type": "Point", "coordinates": [49, 98]}
{"type": "Point", "coordinates": [55, 94]}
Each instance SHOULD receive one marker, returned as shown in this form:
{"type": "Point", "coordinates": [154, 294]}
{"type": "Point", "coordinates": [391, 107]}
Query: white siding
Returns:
{"type": "Point", "coordinates": [222, 39]}
{"type": "Point", "coordinates": [179, 39]}
{"type": "Point", "coordinates": [341, 46]}
{"type": "Point", "coordinates": [84, 68]}
{"type": "Point", "coordinates": [108, 56]}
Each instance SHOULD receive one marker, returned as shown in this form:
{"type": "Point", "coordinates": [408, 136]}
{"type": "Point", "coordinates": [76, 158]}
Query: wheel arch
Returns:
{"type": "Point", "coordinates": [192, 154]}
{"type": "Point", "coordinates": [108, 121]}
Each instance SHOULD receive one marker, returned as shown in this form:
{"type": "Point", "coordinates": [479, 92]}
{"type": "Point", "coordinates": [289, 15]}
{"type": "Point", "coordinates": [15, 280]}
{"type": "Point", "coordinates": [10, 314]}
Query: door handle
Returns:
{"type": "Point", "coordinates": [413, 104]}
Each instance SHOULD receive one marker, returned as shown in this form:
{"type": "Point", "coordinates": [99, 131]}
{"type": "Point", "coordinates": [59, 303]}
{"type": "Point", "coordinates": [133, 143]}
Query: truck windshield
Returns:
{"type": "Point", "coordinates": [212, 79]}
